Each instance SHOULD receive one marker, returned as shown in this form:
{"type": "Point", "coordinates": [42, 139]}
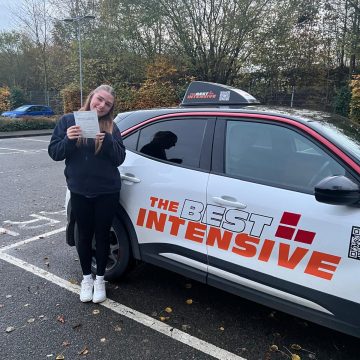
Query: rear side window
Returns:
{"type": "Point", "coordinates": [177, 141]}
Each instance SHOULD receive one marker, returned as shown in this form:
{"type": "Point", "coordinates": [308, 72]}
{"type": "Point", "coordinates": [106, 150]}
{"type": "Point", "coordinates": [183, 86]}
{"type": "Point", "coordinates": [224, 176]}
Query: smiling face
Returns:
{"type": "Point", "coordinates": [101, 102]}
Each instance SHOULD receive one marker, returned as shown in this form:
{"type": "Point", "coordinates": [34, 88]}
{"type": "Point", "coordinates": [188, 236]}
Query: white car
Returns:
{"type": "Point", "coordinates": [261, 202]}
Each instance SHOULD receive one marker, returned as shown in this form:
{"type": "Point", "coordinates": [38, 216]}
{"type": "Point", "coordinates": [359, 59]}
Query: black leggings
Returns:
{"type": "Point", "coordinates": [94, 216]}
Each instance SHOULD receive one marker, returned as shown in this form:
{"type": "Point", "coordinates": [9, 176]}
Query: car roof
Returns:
{"type": "Point", "coordinates": [129, 119]}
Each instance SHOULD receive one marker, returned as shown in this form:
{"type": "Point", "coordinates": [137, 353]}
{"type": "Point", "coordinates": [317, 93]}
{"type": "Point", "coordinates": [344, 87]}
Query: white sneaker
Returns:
{"type": "Point", "coordinates": [99, 291]}
{"type": "Point", "coordinates": [86, 292]}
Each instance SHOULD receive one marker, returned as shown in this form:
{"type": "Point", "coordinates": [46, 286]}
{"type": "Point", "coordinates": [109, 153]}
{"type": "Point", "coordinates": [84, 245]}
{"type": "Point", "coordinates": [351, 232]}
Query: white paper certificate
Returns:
{"type": "Point", "coordinates": [88, 122]}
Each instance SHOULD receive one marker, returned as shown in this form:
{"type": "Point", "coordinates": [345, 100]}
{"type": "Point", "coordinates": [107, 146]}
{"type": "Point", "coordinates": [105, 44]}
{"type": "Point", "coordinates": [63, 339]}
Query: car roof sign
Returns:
{"type": "Point", "coordinates": [202, 93]}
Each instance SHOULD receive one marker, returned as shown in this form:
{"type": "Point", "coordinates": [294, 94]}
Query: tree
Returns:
{"type": "Point", "coordinates": [34, 16]}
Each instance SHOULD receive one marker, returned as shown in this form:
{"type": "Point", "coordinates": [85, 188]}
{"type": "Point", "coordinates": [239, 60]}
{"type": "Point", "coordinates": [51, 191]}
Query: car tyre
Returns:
{"type": "Point", "coordinates": [119, 254]}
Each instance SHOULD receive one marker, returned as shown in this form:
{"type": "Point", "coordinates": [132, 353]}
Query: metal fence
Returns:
{"type": "Point", "coordinates": [51, 98]}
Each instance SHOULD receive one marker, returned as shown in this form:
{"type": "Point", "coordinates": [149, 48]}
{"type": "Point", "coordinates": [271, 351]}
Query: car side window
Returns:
{"type": "Point", "coordinates": [178, 141]}
{"type": "Point", "coordinates": [131, 141]}
{"type": "Point", "coordinates": [277, 156]}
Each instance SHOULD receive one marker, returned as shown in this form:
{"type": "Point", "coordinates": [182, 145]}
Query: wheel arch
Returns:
{"type": "Point", "coordinates": [123, 216]}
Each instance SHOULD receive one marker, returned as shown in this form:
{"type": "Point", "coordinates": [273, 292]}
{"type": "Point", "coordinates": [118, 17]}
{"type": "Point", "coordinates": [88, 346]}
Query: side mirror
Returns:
{"type": "Point", "coordinates": [337, 190]}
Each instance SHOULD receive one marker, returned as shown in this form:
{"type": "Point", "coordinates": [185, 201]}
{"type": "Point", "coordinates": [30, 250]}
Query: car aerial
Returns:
{"type": "Point", "coordinates": [261, 202]}
{"type": "Point", "coordinates": [29, 110]}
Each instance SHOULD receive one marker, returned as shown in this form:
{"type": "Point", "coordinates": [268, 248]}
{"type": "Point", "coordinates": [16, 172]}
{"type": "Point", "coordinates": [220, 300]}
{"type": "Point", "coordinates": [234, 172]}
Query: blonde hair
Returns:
{"type": "Point", "coordinates": [106, 122]}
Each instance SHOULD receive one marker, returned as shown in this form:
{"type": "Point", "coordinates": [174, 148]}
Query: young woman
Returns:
{"type": "Point", "coordinates": [94, 183]}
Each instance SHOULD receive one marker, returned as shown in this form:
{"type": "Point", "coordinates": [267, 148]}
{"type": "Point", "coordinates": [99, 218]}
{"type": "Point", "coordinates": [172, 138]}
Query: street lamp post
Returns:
{"type": "Point", "coordinates": [78, 19]}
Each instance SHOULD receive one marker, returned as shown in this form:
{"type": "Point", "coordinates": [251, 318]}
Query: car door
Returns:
{"type": "Point", "coordinates": [269, 239]}
{"type": "Point", "coordinates": [164, 190]}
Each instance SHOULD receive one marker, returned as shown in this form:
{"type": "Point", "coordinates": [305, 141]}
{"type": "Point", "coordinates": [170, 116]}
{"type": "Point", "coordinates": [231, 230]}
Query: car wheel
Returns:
{"type": "Point", "coordinates": [119, 254]}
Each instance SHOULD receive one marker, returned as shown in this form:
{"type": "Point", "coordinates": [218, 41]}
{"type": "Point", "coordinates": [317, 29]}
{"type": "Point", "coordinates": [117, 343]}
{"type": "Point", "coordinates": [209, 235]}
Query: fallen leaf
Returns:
{"type": "Point", "coordinates": [272, 314]}
{"type": "Point", "coordinates": [96, 311]}
{"type": "Point", "coordinates": [61, 319]}
{"type": "Point", "coordinates": [185, 327]}
{"type": "Point", "coordinates": [189, 301]}
{"type": "Point", "coordinates": [31, 320]}
{"type": "Point", "coordinates": [221, 328]}
{"type": "Point", "coordinates": [73, 282]}
{"type": "Point", "coordinates": [298, 347]}
{"type": "Point", "coordinates": [8, 296]}
{"type": "Point", "coordinates": [274, 348]}
{"type": "Point", "coordinates": [10, 329]}
{"type": "Point", "coordinates": [117, 328]}
{"type": "Point", "coordinates": [66, 343]}
{"type": "Point", "coordinates": [26, 305]}
{"type": "Point", "coordinates": [162, 318]}
{"type": "Point", "coordinates": [84, 351]}
{"type": "Point", "coordinates": [60, 357]}
{"type": "Point", "coordinates": [102, 340]}
{"type": "Point", "coordinates": [295, 357]}
{"type": "Point", "coordinates": [168, 310]}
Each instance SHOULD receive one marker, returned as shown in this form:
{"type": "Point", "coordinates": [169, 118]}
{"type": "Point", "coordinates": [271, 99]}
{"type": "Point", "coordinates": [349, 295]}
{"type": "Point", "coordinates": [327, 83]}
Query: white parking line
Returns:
{"type": "Point", "coordinates": [118, 308]}
{"type": "Point", "coordinates": [9, 232]}
{"type": "Point", "coordinates": [29, 139]}
{"type": "Point", "coordinates": [38, 237]}
{"type": "Point", "coordinates": [27, 224]}
{"type": "Point", "coordinates": [9, 151]}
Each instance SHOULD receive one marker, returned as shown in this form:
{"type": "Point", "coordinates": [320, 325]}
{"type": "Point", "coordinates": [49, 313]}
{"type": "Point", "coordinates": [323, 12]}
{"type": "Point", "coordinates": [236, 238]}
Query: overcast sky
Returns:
{"type": "Point", "coordinates": [7, 21]}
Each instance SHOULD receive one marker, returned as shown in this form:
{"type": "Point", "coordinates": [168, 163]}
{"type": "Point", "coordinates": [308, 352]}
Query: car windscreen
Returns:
{"type": "Point", "coordinates": [342, 131]}
{"type": "Point", "coordinates": [22, 108]}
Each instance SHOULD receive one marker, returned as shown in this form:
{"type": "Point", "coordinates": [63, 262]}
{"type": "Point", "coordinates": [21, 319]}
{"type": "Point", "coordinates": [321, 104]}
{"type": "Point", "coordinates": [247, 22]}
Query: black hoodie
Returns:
{"type": "Point", "coordinates": [86, 173]}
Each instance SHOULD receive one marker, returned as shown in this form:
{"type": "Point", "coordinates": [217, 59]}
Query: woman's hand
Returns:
{"type": "Point", "coordinates": [100, 137]}
{"type": "Point", "coordinates": [73, 132]}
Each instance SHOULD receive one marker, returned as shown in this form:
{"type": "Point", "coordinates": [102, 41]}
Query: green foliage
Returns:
{"type": "Point", "coordinates": [17, 97]}
{"type": "Point", "coordinates": [125, 97]}
{"type": "Point", "coordinates": [27, 123]}
{"type": "Point", "coordinates": [355, 99]}
{"type": "Point", "coordinates": [71, 98]}
{"type": "Point", "coordinates": [273, 44]}
{"type": "Point", "coordinates": [159, 88]}
{"type": "Point", "coordinates": [4, 99]}
{"type": "Point", "coordinates": [342, 101]}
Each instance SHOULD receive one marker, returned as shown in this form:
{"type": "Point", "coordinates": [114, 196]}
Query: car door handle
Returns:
{"type": "Point", "coordinates": [129, 177]}
{"type": "Point", "coordinates": [228, 201]}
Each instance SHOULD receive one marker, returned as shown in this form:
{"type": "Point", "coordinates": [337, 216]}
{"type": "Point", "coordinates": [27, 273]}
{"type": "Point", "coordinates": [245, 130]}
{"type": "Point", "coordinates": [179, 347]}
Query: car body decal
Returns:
{"type": "Point", "coordinates": [354, 247]}
{"type": "Point", "coordinates": [240, 232]}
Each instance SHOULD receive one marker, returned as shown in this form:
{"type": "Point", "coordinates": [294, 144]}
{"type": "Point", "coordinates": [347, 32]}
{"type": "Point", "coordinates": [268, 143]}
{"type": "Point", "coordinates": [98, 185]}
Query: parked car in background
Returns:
{"type": "Point", "coordinates": [29, 110]}
{"type": "Point", "coordinates": [258, 201]}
